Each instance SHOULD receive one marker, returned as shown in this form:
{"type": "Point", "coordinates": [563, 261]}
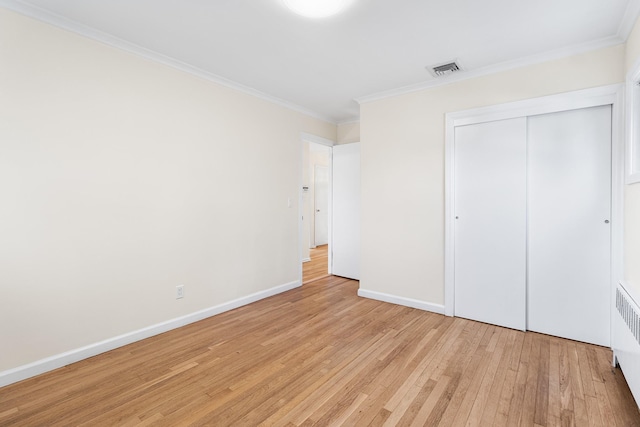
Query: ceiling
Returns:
{"type": "Point", "coordinates": [322, 66]}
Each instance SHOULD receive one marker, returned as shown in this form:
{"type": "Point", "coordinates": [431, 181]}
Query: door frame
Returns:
{"type": "Point", "coordinates": [315, 198]}
{"type": "Point", "coordinates": [606, 95]}
{"type": "Point", "coordinates": [304, 138]}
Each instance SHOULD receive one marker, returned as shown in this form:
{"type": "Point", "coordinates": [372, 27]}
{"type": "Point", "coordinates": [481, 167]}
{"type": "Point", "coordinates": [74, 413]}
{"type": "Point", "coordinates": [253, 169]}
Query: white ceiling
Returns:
{"type": "Point", "coordinates": [322, 66]}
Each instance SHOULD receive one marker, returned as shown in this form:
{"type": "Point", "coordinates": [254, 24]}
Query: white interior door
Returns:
{"type": "Point", "coordinates": [321, 205]}
{"type": "Point", "coordinates": [490, 225]}
{"type": "Point", "coordinates": [346, 211]}
{"type": "Point", "coordinates": [569, 259]}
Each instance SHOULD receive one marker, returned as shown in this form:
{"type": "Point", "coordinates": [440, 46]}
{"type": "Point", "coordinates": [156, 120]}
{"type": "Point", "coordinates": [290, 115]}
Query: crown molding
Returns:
{"type": "Point", "coordinates": [349, 121]}
{"type": "Point", "coordinates": [497, 68]}
{"type": "Point", "coordinates": [59, 21]}
{"type": "Point", "coordinates": [629, 19]}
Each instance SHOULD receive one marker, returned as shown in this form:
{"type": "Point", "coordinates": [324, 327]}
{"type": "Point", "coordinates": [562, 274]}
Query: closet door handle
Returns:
{"type": "Point", "coordinates": [606, 221]}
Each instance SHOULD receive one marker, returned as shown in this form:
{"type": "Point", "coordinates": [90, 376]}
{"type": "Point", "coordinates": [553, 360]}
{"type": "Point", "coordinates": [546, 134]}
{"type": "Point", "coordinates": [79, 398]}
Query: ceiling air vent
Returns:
{"type": "Point", "coordinates": [445, 69]}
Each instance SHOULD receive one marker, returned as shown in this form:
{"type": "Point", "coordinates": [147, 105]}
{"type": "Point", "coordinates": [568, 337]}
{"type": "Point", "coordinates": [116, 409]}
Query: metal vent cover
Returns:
{"type": "Point", "coordinates": [445, 69]}
{"type": "Point", "coordinates": [629, 313]}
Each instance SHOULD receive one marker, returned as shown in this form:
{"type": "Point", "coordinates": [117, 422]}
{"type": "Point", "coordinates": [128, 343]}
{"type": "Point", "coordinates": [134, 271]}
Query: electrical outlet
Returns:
{"type": "Point", "coordinates": [179, 291]}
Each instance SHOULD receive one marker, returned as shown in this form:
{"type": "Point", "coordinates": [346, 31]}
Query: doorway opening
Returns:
{"type": "Point", "coordinates": [318, 264]}
{"type": "Point", "coordinates": [316, 208]}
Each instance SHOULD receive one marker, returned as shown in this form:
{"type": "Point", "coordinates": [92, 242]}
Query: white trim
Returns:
{"type": "Point", "coordinates": [314, 171]}
{"type": "Point", "coordinates": [407, 302]}
{"type": "Point", "coordinates": [308, 137]}
{"type": "Point", "coordinates": [574, 100]}
{"type": "Point", "coordinates": [301, 211]}
{"type": "Point", "coordinates": [618, 140]}
{"type": "Point", "coordinates": [349, 121]}
{"type": "Point", "coordinates": [59, 21]}
{"type": "Point", "coordinates": [612, 94]}
{"type": "Point", "coordinates": [306, 260]}
{"type": "Point", "coordinates": [449, 247]}
{"type": "Point", "coordinates": [629, 19]}
{"type": "Point", "coordinates": [497, 68]}
{"type": "Point", "coordinates": [632, 121]}
{"type": "Point", "coordinates": [54, 362]}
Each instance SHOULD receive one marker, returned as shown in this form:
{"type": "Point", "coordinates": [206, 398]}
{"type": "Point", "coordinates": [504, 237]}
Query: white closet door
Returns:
{"type": "Point", "coordinates": [569, 231]}
{"type": "Point", "coordinates": [346, 211]}
{"type": "Point", "coordinates": [490, 224]}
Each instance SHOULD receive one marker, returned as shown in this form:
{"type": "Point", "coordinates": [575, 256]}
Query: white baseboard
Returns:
{"type": "Point", "coordinates": [306, 259]}
{"type": "Point", "coordinates": [54, 362]}
{"type": "Point", "coordinates": [407, 302]}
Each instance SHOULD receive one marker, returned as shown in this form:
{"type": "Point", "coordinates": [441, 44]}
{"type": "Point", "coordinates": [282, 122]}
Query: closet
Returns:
{"type": "Point", "coordinates": [531, 223]}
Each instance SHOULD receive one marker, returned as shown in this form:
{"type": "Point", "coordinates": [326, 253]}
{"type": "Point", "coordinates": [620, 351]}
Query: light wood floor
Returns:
{"type": "Point", "coordinates": [319, 355]}
{"type": "Point", "coordinates": [318, 267]}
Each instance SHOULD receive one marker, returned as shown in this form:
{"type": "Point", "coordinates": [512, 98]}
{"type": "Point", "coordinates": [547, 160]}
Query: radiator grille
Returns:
{"type": "Point", "coordinates": [629, 313]}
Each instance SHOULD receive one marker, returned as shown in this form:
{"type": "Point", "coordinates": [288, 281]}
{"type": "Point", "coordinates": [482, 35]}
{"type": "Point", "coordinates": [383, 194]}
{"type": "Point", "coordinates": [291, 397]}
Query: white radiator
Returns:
{"type": "Point", "coordinates": [626, 339]}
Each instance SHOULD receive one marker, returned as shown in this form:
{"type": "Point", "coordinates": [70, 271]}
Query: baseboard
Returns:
{"type": "Point", "coordinates": [407, 302]}
{"type": "Point", "coordinates": [54, 362]}
{"type": "Point", "coordinates": [306, 259]}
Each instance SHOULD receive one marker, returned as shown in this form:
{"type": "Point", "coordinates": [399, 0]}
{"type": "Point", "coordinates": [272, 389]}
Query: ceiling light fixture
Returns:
{"type": "Point", "coordinates": [317, 8]}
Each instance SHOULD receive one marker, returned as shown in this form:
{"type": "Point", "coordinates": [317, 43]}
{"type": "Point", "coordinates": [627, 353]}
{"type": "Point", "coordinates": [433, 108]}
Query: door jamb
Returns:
{"type": "Point", "coordinates": [315, 198]}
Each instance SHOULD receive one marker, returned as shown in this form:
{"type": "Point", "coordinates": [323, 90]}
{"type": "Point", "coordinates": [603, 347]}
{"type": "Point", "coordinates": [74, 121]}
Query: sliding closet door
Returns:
{"type": "Point", "coordinates": [569, 257]}
{"type": "Point", "coordinates": [490, 224]}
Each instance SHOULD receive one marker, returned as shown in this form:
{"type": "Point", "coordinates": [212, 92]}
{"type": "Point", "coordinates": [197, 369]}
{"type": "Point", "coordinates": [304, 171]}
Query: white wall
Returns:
{"type": "Point", "coordinates": [348, 133]}
{"type": "Point", "coordinates": [403, 165]}
{"type": "Point", "coordinates": [632, 192]}
{"type": "Point", "coordinates": [121, 178]}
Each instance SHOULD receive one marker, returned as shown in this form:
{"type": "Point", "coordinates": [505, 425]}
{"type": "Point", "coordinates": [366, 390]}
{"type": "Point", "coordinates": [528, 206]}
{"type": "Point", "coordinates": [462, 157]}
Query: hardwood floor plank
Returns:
{"type": "Point", "coordinates": [349, 411]}
{"type": "Point", "coordinates": [585, 371]}
{"type": "Point", "coordinates": [426, 411]}
{"type": "Point", "coordinates": [461, 371]}
{"type": "Point", "coordinates": [493, 402]}
{"type": "Point", "coordinates": [577, 386]}
{"type": "Point", "coordinates": [593, 411]}
{"type": "Point", "coordinates": [318, 267]}
{"type": "Point", "coordinates": [620, 401]}
{"type": "Point", "coordinates": [520, 385]}
{"type": "Point", "coordinates": [468, 391]}
{"type": "Point", "coordinates": [319, 355]}
{"type": "Point", "coordinates": [490, 378]}
{"type": "Point", "coordinates": [541, 405]}
{"type": "Point", "coordinates": [553, 404]}
{"type": "Point", "coordinates": [502, 413]}
{"type": "Point", "coordinates": [606, 412]}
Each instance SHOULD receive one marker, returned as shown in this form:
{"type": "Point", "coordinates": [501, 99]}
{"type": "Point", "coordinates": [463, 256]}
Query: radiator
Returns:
{"type": "Point", "coordinates": [626, 339]}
